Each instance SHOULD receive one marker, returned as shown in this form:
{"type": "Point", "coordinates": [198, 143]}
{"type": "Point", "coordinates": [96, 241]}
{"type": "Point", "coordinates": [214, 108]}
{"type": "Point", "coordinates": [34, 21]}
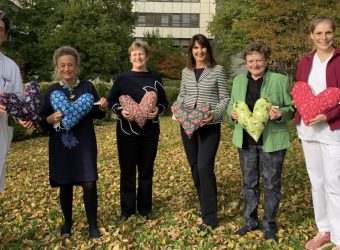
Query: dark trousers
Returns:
{"type": "Point", "coordinates": [201, 150]}
{"type": "Point", "coordinates": [136, 153]}
{"type": "Point", "coordinates": [253, 162]}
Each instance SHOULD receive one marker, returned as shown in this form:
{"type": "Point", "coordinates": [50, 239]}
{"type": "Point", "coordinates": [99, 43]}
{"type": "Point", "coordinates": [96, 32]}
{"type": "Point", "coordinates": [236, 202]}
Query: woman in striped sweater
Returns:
{"type": "Point", "coordinates": [204, 82]}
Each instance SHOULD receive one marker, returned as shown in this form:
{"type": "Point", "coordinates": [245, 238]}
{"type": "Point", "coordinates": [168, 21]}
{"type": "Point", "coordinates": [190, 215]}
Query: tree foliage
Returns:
{"type": "Point", "coordinates": [282, 24]}
{"type": "Point", "coordinates": [101, 30]}
{"type": "Point", "coordinates": [165, 57]}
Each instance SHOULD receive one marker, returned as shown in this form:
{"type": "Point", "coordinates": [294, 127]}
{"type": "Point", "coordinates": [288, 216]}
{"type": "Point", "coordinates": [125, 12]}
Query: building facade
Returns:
{"type": "Point", "coordinates": [180, 19]}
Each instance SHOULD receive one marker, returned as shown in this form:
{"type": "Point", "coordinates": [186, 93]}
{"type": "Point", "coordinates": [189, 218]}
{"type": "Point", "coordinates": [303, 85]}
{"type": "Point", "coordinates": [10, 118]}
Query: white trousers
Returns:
{"type": "Point", "coordinates": [6, 134]}
{"type": "Point", "coordinates": [323, 166]}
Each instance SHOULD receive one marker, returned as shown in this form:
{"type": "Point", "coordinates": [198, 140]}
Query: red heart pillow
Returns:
{"type": "Point", "coordinates": [308, 105]}
{"type": "Point", "coordinates": [141, 110]}
{"type": "Point", "coordinates": [190, 119]}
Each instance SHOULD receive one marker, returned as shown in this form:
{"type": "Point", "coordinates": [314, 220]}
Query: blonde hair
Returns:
{"type": "Point", "coordinates": [63, 51]}
{"type": "Point", "coordinates": [319, 19]}
{"type": "Point", "coordinates": [139, 45]}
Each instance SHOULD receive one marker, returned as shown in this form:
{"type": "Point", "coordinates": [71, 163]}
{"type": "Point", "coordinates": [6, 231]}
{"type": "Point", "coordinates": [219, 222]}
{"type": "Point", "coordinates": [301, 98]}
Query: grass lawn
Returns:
{"type": "Point", "coordinates": [30, 215]}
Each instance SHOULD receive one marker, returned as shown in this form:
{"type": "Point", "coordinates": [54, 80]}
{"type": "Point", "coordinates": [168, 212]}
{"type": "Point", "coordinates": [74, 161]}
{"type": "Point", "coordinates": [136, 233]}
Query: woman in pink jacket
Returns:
{"type": "Point", "coordinates": [321, 137]}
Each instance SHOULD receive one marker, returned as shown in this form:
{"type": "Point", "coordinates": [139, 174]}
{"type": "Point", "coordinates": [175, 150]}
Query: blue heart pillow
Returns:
{"type": "Point", "coordinates": [74, 111]}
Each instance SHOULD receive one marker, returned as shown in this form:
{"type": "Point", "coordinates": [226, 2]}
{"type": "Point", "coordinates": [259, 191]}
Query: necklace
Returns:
{"type": "Point", "coordinates": [70, 87]}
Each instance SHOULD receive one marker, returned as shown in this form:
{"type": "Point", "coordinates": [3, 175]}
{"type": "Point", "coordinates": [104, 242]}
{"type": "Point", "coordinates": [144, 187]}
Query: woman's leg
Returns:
{"type": "Point", "coordinates": [146, 158]}
{"type": "Point", "coordinates": [315, 169]}
{"type": "Point", "coordinates": [331, 164]}
{"type": "Point", "coordinates": [66, 198]}
{"type": "Point", "coordinates": [91, 207]}
{"type": "Point", "coordinates": [191, 150]}
{"type": "Point", "coordinates": [127, 151]}
{"type": "Point", "coordinates": [249, 161]}
{"type": "Point", "coordinates": [271, 168]}
{"type": "Point", "coordinates": [208, 142]}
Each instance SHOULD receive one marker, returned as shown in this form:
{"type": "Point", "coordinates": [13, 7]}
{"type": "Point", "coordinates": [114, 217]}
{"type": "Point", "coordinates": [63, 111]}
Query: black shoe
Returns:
{"type": "Point", "coordinates": [94, 232]}
{"type": "Point", "coordinates": [124, 217]}
{"type": "Point", "coordinates": [206, 228]}
{"type": "Point", "coordinates": [244, 230]}
{"type": "Point", "coordinates": [270, 235]}
{"type": "Point", "coordinates": [65, 230]}
{"type": "Point", "coordinates": [148, 216]}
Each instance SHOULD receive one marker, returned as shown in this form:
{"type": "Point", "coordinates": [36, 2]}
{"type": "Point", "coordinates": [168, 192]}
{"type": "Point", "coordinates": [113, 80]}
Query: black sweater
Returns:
{"type": "Point", "coordinates": [136, 84]}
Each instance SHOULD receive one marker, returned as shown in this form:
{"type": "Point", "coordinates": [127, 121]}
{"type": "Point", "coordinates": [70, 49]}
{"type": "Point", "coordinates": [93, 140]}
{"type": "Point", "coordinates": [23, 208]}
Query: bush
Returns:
{"type": "Point", "coordinates": [171, 83]}
{"type": "Point", "coordinates": [171, 94]}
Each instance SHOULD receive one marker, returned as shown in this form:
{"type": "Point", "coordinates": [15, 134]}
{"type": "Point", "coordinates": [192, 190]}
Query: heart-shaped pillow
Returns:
{"type": "Point", "coordinates": [26, 108]}
{"type": "Point", "coordinates": [74, 111]}
{"type": "Point", "coordinates": [190, 120]}
{"type": "Point", "coordinates": [141, 110]}
{"type": "Point", "coordinates": [255, 122]}
{"type": "Point", "coordinates": [308, 105]}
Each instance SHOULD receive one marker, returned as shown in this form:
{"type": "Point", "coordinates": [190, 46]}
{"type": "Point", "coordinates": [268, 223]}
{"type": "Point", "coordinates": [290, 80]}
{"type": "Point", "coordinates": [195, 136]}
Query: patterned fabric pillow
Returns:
{"type": "Point", "coordinates": [190, 120]}
{"type": "Point", "coordinates": [254, 123]}
{"type": "Point", "coordinates": [26, 108]}
{"type": "Point", "coordinates": [308, 105]}
{"type": "Point", "coordinates": [141, 110]}
{"type": "Point", "coordinates": [74, 111]}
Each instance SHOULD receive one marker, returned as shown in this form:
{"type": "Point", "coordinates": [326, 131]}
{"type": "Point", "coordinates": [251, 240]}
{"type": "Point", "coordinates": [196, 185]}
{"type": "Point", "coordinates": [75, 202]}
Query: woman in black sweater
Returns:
{"type": "Point", "coordinates": [137, 143]}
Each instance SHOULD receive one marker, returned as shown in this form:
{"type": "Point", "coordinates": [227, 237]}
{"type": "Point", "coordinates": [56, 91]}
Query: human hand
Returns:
{"type": "Point", "coordinates": [102, 104]}
{"type": "Point", "coordinates": [208, 120]}
{"type": "Point", "coordinates": [234, 115]}
{"type": "Point", "coordinates": [153, 113]}
{"type": "Point", "coordinates": [3, 109]}
{"type": "Point", "coordinates": [128, 115]}
{"type": "Point", "coordinates": [318, 119]}
{"type": "Point", "coordinates": [274, 113]}
{"type": "Point", "coordinates": [26, 124]}
{"type": "Point", "coordinates": [54, 118]}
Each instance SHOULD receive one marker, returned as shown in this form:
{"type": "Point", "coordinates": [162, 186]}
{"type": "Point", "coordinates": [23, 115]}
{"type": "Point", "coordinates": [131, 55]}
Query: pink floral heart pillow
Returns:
{"type": "Point", "coordinates": [141, 110]}
{"type": "Point", "coordinates": [308, 105]}
{"type": "Point", "coordinates": [190, 120]}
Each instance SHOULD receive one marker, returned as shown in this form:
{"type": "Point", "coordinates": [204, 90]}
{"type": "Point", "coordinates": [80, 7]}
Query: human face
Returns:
{"type": "Point", "coordinates": [3, 35]}
{"type": "Point", "coordinates": [67, 69]}
{"type": "Point", "coordinates": [323, 36]}
{"type": "Point", "coordinates": [138, 59]}
{"type": "Point", "coordinates": [256, 64]}
{"type": "Point", "coordinates": [200, 54]}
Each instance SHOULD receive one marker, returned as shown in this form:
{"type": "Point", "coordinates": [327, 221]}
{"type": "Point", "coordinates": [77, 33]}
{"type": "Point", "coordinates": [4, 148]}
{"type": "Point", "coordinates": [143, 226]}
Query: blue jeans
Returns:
{"type": "Point", "coordinates": [253, 162]}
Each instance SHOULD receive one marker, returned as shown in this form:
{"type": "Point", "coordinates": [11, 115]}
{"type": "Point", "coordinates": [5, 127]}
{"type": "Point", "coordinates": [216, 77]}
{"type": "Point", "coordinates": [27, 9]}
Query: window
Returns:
{"type": "Point", "coordinates": [141, 20]}
{"type": "Point", "coordinates": [168, 20]}
{"type": "Point", "coordinates": [165, 20]}
{"type": "Point", "coordinates": [194, 22]}
{"type": "Point", "coordinates": [176, 20]}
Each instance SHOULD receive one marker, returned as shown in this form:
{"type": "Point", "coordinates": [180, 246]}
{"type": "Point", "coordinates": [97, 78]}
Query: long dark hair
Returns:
{"type": "Point", "coordinates": [204, 42]}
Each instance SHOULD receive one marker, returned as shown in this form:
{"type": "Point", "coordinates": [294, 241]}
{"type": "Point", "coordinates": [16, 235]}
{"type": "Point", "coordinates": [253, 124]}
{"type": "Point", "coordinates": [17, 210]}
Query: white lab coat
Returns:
{"type": "Point", "coordinates": [10, 82]}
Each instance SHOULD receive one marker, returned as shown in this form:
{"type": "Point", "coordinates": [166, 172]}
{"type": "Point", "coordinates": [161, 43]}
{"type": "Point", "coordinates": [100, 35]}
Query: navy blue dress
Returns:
{"type": "Point", "coordinates": [72, 160]}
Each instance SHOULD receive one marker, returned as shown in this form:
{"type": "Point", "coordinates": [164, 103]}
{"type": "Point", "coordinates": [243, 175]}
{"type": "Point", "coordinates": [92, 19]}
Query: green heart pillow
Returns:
{"type": "Point", "coordinates": [255, 122]}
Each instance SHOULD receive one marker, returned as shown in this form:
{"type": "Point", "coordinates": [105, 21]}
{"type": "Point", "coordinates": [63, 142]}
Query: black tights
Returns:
{"type": "Point", "coordinates": [90, 201]}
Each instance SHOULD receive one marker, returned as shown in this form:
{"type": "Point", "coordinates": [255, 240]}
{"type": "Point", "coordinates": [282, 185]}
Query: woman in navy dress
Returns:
{"type": "Point", "coordinates": [72, 152]}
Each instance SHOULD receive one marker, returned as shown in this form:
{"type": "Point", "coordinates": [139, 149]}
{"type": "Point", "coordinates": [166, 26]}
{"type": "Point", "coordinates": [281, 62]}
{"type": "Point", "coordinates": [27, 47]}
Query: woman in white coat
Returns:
{"type": "Point", "coordinates": [10, 82]}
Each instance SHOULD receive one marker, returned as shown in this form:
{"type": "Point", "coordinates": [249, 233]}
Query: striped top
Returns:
{"type": "Point", "coordinates": [210, 88]}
